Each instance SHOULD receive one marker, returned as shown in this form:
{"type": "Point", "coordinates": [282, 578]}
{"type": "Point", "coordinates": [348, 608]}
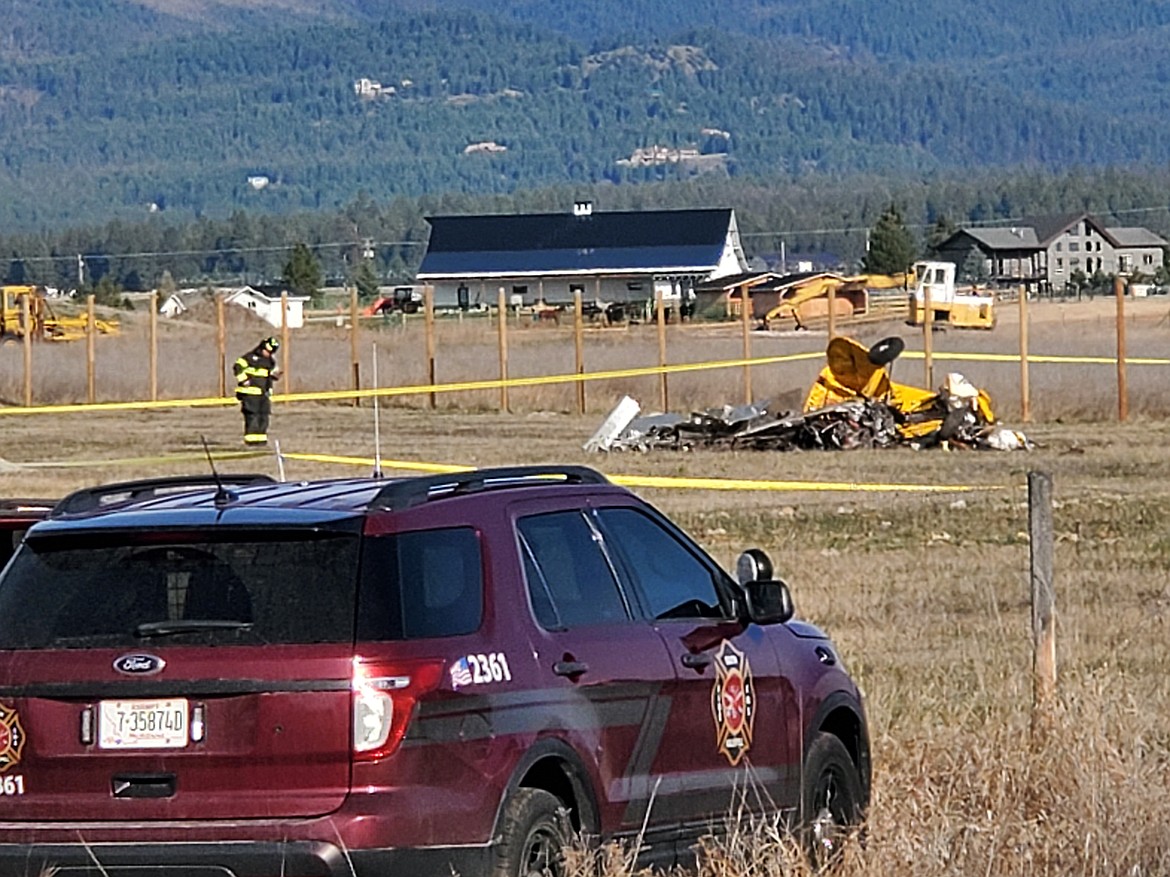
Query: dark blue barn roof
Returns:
{"type": "Point", "coordinates": [561, 243]}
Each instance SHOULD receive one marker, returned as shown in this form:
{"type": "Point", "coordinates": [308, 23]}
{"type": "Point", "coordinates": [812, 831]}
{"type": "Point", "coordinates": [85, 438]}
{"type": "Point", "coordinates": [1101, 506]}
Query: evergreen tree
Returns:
{"type": "Point", "coordinates": [891, 245]}
{"type": "Point", "coordinates": [108, 293]}
{"type": "Point", "coordinates": [166, 286]}
{"type": "Point", "coordinates": [974, 267]}
{"type": "Point", "coordinates": [366, 281]}
{"type": "Point", "coordinates": [302, 273]}
{"type": "Point", "coordinates": [942, 229]}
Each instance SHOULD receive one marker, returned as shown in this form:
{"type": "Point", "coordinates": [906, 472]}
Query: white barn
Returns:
{"type": "Point", "coordinates": [620, 256]}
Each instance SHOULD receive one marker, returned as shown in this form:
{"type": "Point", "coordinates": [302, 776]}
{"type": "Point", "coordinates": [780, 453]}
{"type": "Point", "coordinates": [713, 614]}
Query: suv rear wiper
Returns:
{"type": "Point", "coordinates": [167, 628]}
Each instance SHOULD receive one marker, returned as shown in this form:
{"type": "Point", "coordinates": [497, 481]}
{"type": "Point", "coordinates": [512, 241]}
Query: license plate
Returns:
{"type": "Point", "coordinates": [142, 724]}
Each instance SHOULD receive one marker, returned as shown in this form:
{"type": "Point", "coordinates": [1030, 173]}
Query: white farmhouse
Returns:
{"type": "Point", "coordinates": [265, 303]}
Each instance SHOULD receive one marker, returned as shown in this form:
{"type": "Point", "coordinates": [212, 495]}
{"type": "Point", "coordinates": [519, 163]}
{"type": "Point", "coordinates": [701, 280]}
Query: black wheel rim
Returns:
{"type": "Point", "coordinates": [542, 853]}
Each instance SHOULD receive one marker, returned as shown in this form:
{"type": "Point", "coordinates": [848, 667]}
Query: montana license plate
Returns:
{"type": "Point", "coordinates": [142, 724]}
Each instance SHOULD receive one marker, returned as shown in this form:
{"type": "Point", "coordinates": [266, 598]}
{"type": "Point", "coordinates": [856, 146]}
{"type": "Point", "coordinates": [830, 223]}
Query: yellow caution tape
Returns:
{"type": "Point", "coordinates": [542, 380]}
{"type": "Point", "coordinates": [1015, 357]}
{"type": "Point", "coordinates": [672, 482]}
{"type": "Point", "coordinates": [135, 461]}
{"type": "Point", "coordinates": [408, 465]}
{"type": "Point", "coordinates": [649, 481]}
{"type": "Point", "coordinates": [415, 389]}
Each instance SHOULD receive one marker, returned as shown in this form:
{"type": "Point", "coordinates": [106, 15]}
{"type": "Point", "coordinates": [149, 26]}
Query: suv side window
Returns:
{"type": "Point", "coordinates": [570, 580]}
{"type": "Point", "coordinates": [672, 581]}
{"type": "Point", "coordinates": [428, 583]}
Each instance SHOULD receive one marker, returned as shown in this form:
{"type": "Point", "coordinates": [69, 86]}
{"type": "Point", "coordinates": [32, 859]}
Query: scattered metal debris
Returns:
{"type": "Point", "coordinates": [853, 404]}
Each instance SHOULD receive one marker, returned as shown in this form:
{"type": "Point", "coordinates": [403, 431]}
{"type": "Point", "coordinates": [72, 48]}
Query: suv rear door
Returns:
{"type": "Point", "coordinates": [167, 675]}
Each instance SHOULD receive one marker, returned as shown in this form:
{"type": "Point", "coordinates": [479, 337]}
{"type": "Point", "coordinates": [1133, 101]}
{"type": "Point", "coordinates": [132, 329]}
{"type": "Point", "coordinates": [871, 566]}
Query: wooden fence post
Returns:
{"type": "Point", "coordinates": [928, 335]}
{"type": "Point", "coordinates": [502, 305]}
{"type": "Point", "coordinates": [1025, 392]}
{"type": "Point", "coordinates": [1040, 534]}
{"type": "Point", "coordinates": [26, 321]}
{"type": "Point", "coordinates": [579, 347]}
{"type": "Point", "coordinates": [429, 322]}
{"type": "Point", "coordinates": [745, 312]}
{"type": "Point", "coordinates": [1122, 384]}
{"type": "Point", "coordinates": [153, 347]}
{"type": "Point", "coordinates": [221, 344]}
{"type": "Point", "coordinates": [832, 312]}
{"type": "Point", "coordinates": [284, 345]}
{"type": "Point", "coordinates": [354, 358]}
{"type": "Point", "coordinates": [660, 315]}
{"type": "Point", "coordinates": [90, 356]}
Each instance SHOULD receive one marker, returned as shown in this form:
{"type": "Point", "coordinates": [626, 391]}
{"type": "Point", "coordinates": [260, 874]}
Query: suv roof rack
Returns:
{"type": "Point", "coordinates": [408, 492]}
{"type": "Point", "coordinates": [122, 493]}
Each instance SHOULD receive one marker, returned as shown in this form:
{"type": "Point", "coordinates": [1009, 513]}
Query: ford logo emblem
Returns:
{"type": "Point", "coordinates": [139, 665]}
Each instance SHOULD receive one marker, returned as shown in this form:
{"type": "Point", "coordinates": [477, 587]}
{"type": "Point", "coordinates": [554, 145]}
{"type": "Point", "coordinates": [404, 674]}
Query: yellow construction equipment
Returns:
{"type": "Point", "coordinates": [964, 308]}
{"type": "Point", "coordinates": [46, 324]}
{"type": "Point", "coordinates": [808, 298]}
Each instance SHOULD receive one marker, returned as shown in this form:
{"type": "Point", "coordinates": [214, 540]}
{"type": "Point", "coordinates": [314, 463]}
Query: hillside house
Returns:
{"type": "Point", "coordinates": [1042, 254]}
{"type": "Point", "coordinates": [621, 256]}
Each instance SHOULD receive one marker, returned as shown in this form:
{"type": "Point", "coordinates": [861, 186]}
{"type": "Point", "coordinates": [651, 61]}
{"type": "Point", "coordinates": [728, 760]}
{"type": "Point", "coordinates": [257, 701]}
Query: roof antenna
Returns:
{"type": "Point", "coordinates": [377, 431]}
{"type": "Point", "coordinates": [222, 495]}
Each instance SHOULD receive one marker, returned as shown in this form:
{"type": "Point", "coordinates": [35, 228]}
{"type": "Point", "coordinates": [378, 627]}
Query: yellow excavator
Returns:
{"type": "Point", "coordinates": [46, 324]}
{"type": "Point", "coordinates": [958, 307]}
{"type": "Point", "coordinates": [808, 298]}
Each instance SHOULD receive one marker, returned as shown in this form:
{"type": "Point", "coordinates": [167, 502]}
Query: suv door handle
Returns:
{"type": "Point", "coordinates": [696, 661]}
{"type": "Point", "coordinates": [570, 668]}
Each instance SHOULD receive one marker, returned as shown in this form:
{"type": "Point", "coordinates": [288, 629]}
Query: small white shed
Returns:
{"type": "Point", "coordinates": [173, 306]}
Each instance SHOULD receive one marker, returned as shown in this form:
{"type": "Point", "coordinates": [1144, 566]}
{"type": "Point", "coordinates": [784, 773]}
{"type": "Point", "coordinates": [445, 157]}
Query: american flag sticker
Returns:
{"type": "Point", "coordinates": [460, 673]}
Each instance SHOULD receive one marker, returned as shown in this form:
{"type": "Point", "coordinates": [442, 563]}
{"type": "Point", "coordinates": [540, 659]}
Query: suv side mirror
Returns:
{"type": "Point", "coordinates": [768, 601]}
{"type": "Point", "coordinates": [753, 565]}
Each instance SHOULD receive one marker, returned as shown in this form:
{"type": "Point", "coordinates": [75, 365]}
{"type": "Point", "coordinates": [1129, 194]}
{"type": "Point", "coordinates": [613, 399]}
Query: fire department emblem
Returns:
{"type": "Point", "coordinates": [733, 702]}
{"type": "Point", "coordinates": [11, 738]}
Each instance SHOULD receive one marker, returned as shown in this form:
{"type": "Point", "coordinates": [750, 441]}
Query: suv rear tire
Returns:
{"type": "Point", "coordinates": [533, 836]}
{"type": "Point", "coordinates": [832, 798]}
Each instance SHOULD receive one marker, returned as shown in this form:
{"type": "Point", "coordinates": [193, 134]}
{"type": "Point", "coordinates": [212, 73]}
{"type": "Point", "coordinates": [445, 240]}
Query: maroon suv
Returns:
{"type": "Point", "coordinates": [400, 677]}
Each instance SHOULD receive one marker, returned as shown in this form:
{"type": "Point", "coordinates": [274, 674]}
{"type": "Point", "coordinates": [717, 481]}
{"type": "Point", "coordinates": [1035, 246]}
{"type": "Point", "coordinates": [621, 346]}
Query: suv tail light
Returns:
{"type": "Point", "coordinates": [384, 695]}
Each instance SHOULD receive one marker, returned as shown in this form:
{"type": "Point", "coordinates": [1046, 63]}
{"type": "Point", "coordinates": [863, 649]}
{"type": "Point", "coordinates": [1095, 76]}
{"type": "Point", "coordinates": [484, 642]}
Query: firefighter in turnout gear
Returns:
{"type": "Point", "coordinates": [255, 373]}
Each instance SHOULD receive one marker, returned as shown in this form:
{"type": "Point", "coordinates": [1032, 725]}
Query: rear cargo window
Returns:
{"type": "Point", "coordinates": [227, 588]}
{"type": "Point", "coordinates": [427, 583]}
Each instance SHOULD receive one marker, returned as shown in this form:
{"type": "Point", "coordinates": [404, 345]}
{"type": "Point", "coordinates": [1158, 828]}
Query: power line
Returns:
{"type": "Point", "coordinates": [328, 245]}
{"type": "Point", "coordinates": [849, 229]}
{"type": "Point", "coordinates": [221, 251]}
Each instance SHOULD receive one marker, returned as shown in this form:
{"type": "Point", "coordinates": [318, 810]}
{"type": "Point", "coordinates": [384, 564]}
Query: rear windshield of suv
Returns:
{"type": "Point", "coordinates": [227, 587]}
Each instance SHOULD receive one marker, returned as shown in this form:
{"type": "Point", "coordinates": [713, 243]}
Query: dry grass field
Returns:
{"type": "Point", "coordinates": [925, 594]}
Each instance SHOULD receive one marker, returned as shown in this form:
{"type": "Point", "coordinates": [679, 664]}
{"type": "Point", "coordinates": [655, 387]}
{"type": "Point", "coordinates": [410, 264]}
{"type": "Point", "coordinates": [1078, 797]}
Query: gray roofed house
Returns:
{"type": "Point", "coordinates": [619, 256]}
{"type": "Point", "coordinates": [1043, 253]}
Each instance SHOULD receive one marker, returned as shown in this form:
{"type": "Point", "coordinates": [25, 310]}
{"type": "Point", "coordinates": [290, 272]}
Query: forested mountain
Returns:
{"type": "Point", "coordinates": [120, 108]}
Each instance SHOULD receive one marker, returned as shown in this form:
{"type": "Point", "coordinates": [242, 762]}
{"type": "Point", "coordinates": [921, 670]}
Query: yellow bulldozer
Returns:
{"type": "Point", "coordinates": [46, 323]}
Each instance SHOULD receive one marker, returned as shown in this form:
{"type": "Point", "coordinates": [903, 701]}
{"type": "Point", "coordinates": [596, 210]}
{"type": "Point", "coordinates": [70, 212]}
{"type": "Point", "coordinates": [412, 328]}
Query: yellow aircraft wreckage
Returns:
{"type": "Point", "coordinates": [853, 403]}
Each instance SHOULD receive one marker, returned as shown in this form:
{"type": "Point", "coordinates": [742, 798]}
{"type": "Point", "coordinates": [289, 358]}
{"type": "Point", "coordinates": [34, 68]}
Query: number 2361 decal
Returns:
{"type": "Point", "coordinates": [480, 669]}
